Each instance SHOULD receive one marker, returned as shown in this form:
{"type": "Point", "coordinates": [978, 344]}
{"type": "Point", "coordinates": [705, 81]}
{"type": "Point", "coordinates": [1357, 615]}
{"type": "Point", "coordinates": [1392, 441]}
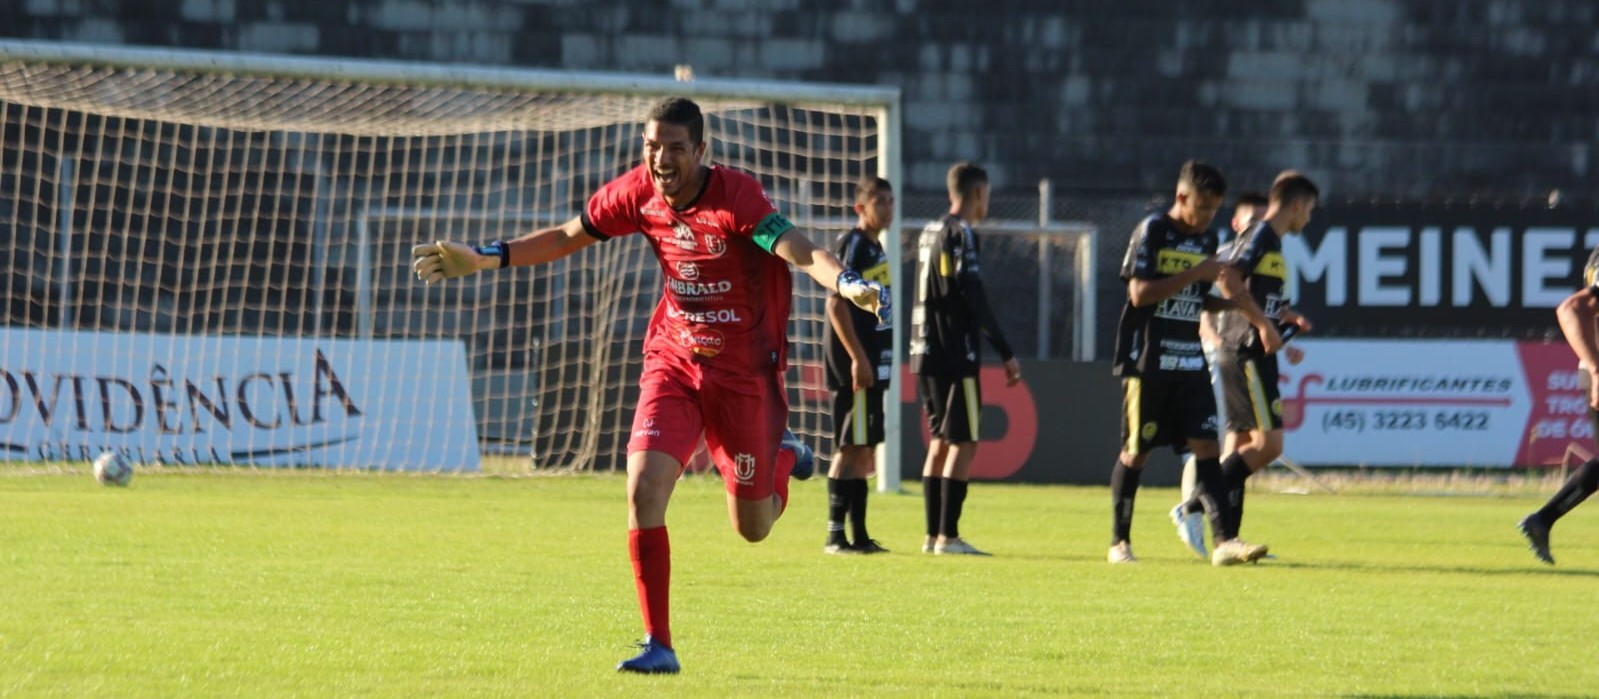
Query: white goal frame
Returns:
{"type": "Point", "coordinates": [884, 101]}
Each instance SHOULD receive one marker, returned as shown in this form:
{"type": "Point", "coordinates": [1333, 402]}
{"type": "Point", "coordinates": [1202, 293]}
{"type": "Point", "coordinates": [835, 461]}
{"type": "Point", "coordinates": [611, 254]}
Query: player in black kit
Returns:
{"type": "Point", "coordinates": [1188, 516]}
{"type": "Point", "coordinates": [1254, 279]}
{"type": "Point", "coordinates": [860, 350]}
{"type": "Point", "coordinates": [1577, 314]}
{"type": "Point", "coordinates": [1167, 397]}
{"type": "Point", "coordinates": [951, 310]}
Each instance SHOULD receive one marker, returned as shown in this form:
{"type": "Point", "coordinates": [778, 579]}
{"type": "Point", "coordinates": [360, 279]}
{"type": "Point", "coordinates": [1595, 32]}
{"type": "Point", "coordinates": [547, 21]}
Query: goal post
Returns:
{"type": "Point", "coordinates": [208, 253]}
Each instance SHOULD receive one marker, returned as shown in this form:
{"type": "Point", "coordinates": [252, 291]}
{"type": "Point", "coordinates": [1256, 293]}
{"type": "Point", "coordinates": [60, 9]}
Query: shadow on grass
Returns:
{"type": "Point", "coordinates": [1518, 695]}
{"type": "Point", "coordinates": [1473, 570]}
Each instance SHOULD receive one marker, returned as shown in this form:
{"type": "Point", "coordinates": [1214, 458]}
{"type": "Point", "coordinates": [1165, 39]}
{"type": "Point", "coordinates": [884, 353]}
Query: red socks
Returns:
{"type": "Point", "coordinates": [651, 552]}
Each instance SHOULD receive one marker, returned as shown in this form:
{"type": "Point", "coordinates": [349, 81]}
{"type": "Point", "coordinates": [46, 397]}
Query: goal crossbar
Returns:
{"type": "Point", "coordinates": [571, 110]}
{"type": "Point", "coordinates": [457, 110]}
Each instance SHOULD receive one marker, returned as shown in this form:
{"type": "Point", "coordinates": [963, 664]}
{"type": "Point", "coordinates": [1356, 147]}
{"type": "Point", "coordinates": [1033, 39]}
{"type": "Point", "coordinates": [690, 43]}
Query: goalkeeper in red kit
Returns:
{"type": "Point", "coordinates": [716, 347]}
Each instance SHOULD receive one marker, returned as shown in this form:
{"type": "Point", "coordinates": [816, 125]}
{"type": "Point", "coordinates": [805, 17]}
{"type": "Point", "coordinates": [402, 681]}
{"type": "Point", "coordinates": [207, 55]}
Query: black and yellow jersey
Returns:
{"type": "Point", "coordinates": [1590, 272]}
{"type": "Point", "coordinates": [859, 252]}
{"type": "Point", "coordinates": [951, 305]}
{"type": "Point", "coordinates": [1257, 254]}
{"type": "Point", "coordinates": [1163, 338]}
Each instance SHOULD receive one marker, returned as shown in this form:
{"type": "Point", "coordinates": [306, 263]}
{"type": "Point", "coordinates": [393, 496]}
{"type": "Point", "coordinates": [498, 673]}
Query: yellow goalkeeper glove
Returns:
{"type": "Point", "coordinates": [869, 296]}
{"type": "Point", "coordinates": [442, 259]}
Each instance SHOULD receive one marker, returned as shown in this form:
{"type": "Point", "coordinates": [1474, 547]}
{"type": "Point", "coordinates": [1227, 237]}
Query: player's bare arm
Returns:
{"type": "Point", "coordinates": [1295, 355]}
{"type": "Point", "coordinates": [1294, 317]}
{"type": "Point", "coordinates": [862, 371]}
{"type": "Point", "coordinates": [440, 260]}
{"type": "Point", "coordinates": [1231, 283]}
{"type": "Point", "coordinates": [1148, 292]}
{"type": "Point", "coordinates": [1578, 315]}
{"type": "Point", "coordinates": [798, 250]}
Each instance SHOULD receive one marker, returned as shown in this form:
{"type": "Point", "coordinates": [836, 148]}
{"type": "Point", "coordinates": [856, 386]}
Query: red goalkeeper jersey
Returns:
{"type": "Point", "coordinates": [726, 298]}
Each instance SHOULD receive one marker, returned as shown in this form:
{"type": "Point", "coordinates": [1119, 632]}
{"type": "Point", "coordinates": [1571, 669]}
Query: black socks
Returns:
{"type": "Point", "coordinates": [1123, 490]}
{"type": "Point", "coordinates": [1582, 483]}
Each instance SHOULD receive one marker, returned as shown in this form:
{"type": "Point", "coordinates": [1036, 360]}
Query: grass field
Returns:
{"type": "Point", "coordinates": [262, 584]}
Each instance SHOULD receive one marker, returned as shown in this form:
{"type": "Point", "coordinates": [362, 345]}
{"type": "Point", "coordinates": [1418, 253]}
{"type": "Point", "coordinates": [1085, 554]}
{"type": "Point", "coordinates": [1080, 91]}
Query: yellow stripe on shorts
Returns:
{"type": "Point", "coordinates": [1135, 387]}
{"type": "Point", "coordinates": [858, 417]}
{"type": "Point", "coordinates": [1257, 396]}
{"type": "Point", "coordinates": [973, 410]}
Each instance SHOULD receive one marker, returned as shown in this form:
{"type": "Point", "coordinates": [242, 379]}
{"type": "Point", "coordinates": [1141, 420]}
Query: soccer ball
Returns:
{"type": "Point", "coordinates": [111, 469]}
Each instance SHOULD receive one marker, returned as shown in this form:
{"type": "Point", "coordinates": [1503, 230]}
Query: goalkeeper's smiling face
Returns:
{"type": "Point", "coordinates": [673, 158]}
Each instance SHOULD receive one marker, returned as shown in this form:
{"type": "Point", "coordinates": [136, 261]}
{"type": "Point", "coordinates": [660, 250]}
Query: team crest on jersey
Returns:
{"type": "Point", "coordinates": [683, 236]}
{"type": "Point", "coordinates": [744, 469]}
{"type": "Point", "coordinates": [1277, 407]}
{"type": "Point", "coordinates": [715, 244]}
{"type": "Point", "coordinates": [688, 270]}
{"type": "Point", "coordinates": [1148, 431]}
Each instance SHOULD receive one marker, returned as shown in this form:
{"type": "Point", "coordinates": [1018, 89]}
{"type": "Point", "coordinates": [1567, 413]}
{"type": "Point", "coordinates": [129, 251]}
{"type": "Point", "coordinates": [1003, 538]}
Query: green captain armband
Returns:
{"type": "Point", "coordinates": [770, 229]}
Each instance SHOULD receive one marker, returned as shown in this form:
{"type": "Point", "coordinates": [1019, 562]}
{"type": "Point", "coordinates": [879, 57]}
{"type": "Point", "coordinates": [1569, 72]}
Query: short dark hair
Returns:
{"type": "Point", "coordinates": [869, 185]}
{"type": "Point", "coordinates": [681, 111]}
{"type": "Point", "coordinates": [1203, 178]}
{"type": "Point", "coordinates": [964, 177]}
{"type": "Point", "coordinates": [1292, 186]}
{"type": "Point", "coordinates": [1253, 199]}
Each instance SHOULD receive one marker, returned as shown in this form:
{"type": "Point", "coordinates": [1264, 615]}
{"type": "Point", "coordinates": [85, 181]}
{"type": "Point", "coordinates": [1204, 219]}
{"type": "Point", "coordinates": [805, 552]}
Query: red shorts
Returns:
{"type": "Point", "coordinates": [741, 414]}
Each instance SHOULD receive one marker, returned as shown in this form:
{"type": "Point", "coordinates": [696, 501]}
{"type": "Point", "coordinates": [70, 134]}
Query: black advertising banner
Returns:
{"type": "Point", "coordinates": [1438, 271]}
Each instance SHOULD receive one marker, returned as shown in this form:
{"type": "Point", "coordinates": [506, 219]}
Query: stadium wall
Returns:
{"type": "Point", "coordinates": [1371, 97]}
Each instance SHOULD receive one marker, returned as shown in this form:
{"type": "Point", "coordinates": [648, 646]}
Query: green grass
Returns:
{"type": "Point", "coordinates": [265, 584]}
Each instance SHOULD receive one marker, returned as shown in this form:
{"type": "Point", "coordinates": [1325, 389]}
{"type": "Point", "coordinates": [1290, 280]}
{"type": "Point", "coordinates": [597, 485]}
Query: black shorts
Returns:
{"type": "Point", "coordinates": [1250, 397]}
{"type": "Point", "coordinates": [954, 405]}
{"type": "Point", "coordinates": [1166, 412]}
{"type": "Point", "coordinates": [858, 417]}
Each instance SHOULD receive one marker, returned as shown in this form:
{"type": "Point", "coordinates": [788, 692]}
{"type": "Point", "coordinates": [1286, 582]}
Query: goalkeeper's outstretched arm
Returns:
{"type": "Point", "coordinates": [799, 251]}
{"type": "Point", "coordinates": [442, 259]}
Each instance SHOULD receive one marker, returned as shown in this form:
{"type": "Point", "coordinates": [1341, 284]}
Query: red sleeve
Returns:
{"type": "Point", "coordinates": [613, 210]}
{"type": "Point", "coordinates": [748, 203]}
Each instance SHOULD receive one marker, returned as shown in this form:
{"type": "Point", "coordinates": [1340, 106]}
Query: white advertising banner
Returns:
{"type": "Point", "coordinates": [393, 405]}
{"type": "Point", "coordinates": [1405, 403]}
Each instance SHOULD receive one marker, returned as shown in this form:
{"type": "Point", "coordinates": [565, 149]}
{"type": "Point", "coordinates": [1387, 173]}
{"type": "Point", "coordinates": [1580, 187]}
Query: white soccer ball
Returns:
{"type": "Point", "coordinates": [111, 469]}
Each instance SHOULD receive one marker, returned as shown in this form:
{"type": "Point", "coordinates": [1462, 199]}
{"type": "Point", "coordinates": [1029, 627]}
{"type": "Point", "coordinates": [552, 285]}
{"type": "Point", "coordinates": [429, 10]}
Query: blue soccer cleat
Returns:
{"type": "Point", "coordinates": [804, 458]}
{"type": "Point", "coordinates": [655, 659]}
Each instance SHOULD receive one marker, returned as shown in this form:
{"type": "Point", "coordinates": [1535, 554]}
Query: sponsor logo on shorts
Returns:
{"type": "Point", "coordinates": [744, 469]}
{"type": "Point", "coordinates": [1277, 407]}
{"type": "Point", "coordinates": [715, 244]}
{"type": "Point", "coordinates": [688, 270]}
{"type": "Point", "coordinates": [705, 343]}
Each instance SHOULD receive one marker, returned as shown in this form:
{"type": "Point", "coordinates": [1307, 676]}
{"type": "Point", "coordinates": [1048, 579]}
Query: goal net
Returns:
{"type": "Point", "coordinates": [206, 256]}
